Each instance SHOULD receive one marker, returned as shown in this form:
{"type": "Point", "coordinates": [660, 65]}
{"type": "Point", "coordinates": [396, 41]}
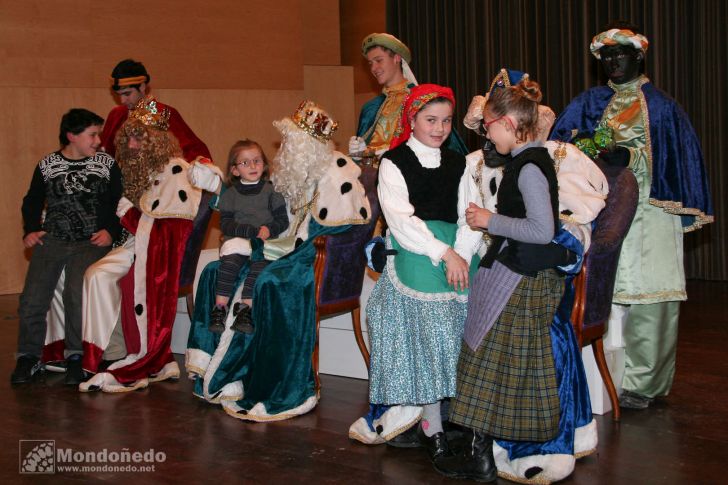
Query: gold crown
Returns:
{"type": "Point", "coordinates": [314, 121]}
{"type": "Point", "coordinates": [149, 113]}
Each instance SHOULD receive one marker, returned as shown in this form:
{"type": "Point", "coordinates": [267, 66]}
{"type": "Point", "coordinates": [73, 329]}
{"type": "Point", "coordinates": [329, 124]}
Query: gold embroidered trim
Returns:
{"type": "Point", "coordinates": [646, 123]}
{"type": "Point", "coordinates": [582, 454]}
{"type": "Point", "coordinates": [537, 480]}
{"type": "Point", "coordinates": [292, 413]}
{"type": "Point", "coordinates": [341, 222]}
{"type": "Point", "coordinates": [559, 154]}
{"type": "Point", "coordinates": [169, 215]}
{"type": "Point", "coordinates": [352, 221]}
{"type": "Point", "coordinates": [676, 208]}
{"type": "Point", "coordinates": [647, 298]}
{"type": "Point", "coordinates": [195, 370]}
{"type": "Point", "coordinates": [307, 205]}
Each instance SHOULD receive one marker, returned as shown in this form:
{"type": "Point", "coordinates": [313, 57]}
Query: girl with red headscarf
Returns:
{"type": "Point", "coordinates": [417, 308]}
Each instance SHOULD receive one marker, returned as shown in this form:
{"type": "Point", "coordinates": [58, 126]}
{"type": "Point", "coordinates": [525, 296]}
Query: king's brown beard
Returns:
{"type": "Point", "coordinates": [138, 172]}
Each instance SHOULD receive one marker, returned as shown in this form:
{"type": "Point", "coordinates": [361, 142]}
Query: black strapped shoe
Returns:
{"type": "Point", "coordinates": [407, 439]}
{"type": "Point", "coordinates": [435, 445]}
{"type": "Point", "coordinates": [475, 462]}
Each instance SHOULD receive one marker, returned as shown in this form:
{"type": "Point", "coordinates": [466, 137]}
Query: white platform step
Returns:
{"type": "Point", "coordinates": [597, 390]}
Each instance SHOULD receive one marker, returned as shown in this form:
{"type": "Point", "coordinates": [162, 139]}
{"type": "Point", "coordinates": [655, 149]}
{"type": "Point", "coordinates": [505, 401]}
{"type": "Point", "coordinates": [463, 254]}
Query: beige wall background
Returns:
{"type": "Point", "coordinates": [230, 67]}
{"type": "Point", "coordinates": [359, 19]}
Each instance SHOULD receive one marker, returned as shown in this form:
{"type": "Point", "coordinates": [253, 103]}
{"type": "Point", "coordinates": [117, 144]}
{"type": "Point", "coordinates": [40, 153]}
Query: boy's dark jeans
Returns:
{"type": "Point", "coordinates": [46, 266]}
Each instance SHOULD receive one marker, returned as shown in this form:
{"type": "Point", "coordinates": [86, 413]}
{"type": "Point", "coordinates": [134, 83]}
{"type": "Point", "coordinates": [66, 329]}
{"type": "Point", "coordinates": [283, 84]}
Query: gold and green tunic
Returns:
{"type": "Point", "coordinates": [651, 262]}
{"type": "Point", "coordinates": [381, 132]}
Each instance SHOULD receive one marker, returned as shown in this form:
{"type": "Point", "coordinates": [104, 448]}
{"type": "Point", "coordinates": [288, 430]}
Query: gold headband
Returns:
{"type": "Point", "coordinates": [128, 81]}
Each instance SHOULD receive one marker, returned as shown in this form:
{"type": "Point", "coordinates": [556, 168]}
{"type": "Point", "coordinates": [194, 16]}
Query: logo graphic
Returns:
{"type": "Point", "coordinates": [37, 456]}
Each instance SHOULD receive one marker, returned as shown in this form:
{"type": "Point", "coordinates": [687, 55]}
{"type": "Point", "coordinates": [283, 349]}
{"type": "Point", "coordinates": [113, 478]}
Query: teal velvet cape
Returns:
{"type": "Point", "coordinates": [273, 363]}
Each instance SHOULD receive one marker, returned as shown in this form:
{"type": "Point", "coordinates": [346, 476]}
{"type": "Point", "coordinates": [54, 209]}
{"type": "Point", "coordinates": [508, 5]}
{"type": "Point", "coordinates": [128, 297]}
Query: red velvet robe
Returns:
{"type": "Point", "coordinates": [150, 288]}
{"type": "Point", "coordinates": [150, 293]}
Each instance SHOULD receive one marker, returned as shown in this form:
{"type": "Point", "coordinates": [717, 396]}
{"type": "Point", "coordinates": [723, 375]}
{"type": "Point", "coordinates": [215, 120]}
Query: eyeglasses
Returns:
{"type": "Point", "coordinates": [249, 163]}
{"type": "Point", "coordinates": [486, 124]}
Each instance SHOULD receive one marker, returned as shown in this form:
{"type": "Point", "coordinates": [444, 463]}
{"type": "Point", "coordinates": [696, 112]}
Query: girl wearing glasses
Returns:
{"type": "Point", "coordinates": [582, 192]}
{"type": "Point", "coordinates": [506, 379]}
{"type": "Point", "coordinates": [249, 209]}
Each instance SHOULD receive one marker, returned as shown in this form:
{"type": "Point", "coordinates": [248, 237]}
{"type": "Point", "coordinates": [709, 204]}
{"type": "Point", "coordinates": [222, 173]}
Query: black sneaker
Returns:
{"type": "Point", "coordinates": [244, 320]}
{"type": "Point", "coordinates": [217, 319]}
{"type": "Point", "coordinates": [25, 368]}
{"type": "Point", "coordinates": [75, 374]}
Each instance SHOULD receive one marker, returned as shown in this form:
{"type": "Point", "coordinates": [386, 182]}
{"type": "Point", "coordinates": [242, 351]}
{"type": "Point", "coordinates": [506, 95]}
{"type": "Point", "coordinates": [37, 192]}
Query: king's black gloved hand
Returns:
{"type": "Point", "coordinates": [533, 258]}
{"type": "Point", "coordinates": [377, 253]}
{"type": "Point", "coordinates": [619, 157]}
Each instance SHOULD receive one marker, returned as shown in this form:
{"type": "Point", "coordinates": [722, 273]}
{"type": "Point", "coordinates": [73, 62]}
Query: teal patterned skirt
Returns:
{"type": "Point", "coordinates": [414, 342]}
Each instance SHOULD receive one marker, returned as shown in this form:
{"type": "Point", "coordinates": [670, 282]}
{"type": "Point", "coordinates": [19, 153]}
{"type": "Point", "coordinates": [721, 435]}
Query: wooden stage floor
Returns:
{"type": "Point", "coordinates": [681, 439]}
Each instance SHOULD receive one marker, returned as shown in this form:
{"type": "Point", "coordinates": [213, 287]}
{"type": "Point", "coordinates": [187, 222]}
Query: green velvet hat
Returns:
{"type": "Point", "coordinates": [389, 41]}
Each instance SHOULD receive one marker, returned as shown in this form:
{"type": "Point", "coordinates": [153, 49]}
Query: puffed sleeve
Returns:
{"type": "Point", "coordinates": [467, 240]}
{"type": "Point", "coordinates": [409, 230]}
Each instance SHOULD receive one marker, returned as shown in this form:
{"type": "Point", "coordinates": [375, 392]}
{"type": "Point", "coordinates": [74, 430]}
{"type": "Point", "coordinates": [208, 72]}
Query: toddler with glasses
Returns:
{"type": "Point", "coordinates": [249, 209]}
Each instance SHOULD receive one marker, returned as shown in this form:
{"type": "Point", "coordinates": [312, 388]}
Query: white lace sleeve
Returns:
{"type": "Point", "coordinates": [409, 230]}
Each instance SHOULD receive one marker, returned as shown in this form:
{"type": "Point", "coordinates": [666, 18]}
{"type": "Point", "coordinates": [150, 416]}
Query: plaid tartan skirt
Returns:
{"type": "Point", "coordinates": [507, 388]}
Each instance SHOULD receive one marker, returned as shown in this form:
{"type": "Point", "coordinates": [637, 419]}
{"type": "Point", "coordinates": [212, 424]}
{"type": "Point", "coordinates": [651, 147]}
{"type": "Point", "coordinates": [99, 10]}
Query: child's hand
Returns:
{"type": "Point", "coordinates": [33, 238]}
{"type": "Point", "coordinates": [477, 217]}
{"type": "Point", "coordinates": [456, 269]}
{"type": "Point", "coordinates": [263, 233]}
{"type": "Point", "coordinates": [101, 238]}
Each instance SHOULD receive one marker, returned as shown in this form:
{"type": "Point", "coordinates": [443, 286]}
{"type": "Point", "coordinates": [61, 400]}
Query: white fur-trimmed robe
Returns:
{"type": "Point", "coordinates": [161, 227]}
